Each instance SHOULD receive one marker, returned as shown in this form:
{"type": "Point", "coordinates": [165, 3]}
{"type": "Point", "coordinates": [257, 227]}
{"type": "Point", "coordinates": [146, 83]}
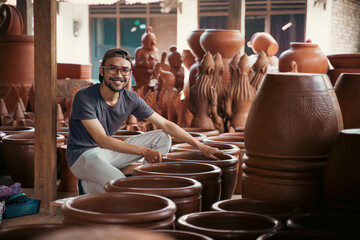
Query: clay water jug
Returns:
{"type": "Point", "coordinates": [306, 57]}
{"type": "Point", "coordinates": [227, 163]}
{"type": "Point", "coordinates": [137, 210]}
{"type": "Point", "coordinates": [286, 156]}
{"type": "Point", "coordinates": [208, 175]}
{"type": "Point", "coordinates": [343, 63]}
{"type": "Point", "coordinates": [347, 89]}
{"type": "Point", "coordinates": [184, 192]}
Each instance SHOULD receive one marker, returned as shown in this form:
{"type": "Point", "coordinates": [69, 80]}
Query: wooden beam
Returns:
{"type": "Point", "coordinates": [236, 18]}
{"type": "Point", "coordinates": [45, 101]}
{"type": "Point", "coordinates": [25, 9]}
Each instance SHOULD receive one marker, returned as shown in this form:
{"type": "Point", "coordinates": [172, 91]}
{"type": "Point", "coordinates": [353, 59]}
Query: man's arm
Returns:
{"type": "Point", "coordinates": [179, 133]}
{"type": "Point", "coordinates": [97, 132]}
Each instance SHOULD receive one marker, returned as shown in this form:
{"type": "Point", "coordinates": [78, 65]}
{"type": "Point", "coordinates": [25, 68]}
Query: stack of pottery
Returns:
{"type": "Point", "coordinates": [343, 63]}
{"type": "Point", "coordinates": [137, 210]}
{"type": "Point", "coordinates": [286, 154]}
{"type": "Point", "coordinates": [227, 163]}
{"type": "Point", "coordinates": [208, 175]}
{"type": "Point", "coordinates": [184, 192]}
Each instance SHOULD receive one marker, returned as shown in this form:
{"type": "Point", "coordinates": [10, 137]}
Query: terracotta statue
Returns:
{"type": "Point", "coordinates": [145, 58]}
{"type": "Point", "coordinates": [233, 64]}
{"type": "Point", "coordinates": [166, 91]}
{"type": "Point", "coordinates": [158, 65]}
{"type": "Point", "coordinates": [177, 69]}
{"type": "Point", "coordinates": [260, 68]}
{"type": "Point", "coordinates": [218, 85]}
{"type": "Point", "coordinates": [240, 95]}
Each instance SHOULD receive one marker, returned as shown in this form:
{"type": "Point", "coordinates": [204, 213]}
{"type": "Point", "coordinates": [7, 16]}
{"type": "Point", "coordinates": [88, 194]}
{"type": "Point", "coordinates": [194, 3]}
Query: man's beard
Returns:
{"type": "Point", "coordinates": [112, 88]}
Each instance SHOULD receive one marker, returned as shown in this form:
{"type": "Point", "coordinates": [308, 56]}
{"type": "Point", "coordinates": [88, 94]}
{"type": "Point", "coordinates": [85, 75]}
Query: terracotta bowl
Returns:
{"type": "Point", "coordinates": [198, 136]}
{"type": "Point", "coordinates": [184, 235]}
{"type": "Point", "coordinates": [208, 175]}
{"type": "Point", "coordinates": [345, 60]}
{"type": "Point", "coordinates": [228, 225]}
{"type": "Point", "coordinates": [279, 210]}
{"type": "Point", "coordinates": [138, 210]}
{"type": "Point", "coordinates": [13, 130]}
{"type": "Point", "coordinates": [207, 132]}
{"type": "Point", "coordinates": [125, 134]}
{"type": "Point", "coordinates": [227, 163]}
{"type": "Point", "coordinates": [28, 231]}
{"type": "Point", "coordinates": [226, 148]}
{"type": "Point", "coordinates": [184, 192]}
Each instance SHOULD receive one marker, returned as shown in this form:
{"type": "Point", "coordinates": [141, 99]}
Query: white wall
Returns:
{"type": "Point", "coordinates": [72, 49]}
{"type": "Point", "coordinates": [187, 21]}
{"type": "Point", "coordinates": [318, 27]}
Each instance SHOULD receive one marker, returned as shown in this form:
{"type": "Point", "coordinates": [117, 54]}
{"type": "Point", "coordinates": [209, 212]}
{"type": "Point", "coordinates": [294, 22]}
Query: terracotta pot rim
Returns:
{"type": "Point", "coordinates": [304, 45]}
{"type": "Point", "coordinates": [17, 138]}
{"type": "Point", "coordinates": [232, 147]}
{"type": "Point", "coordinates": [231, 160]}
{"type": "Point", "coordinates": [285, 156]}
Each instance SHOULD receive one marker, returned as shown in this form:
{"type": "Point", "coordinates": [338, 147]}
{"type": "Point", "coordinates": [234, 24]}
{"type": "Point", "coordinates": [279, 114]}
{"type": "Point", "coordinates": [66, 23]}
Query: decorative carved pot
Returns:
{"type": "Point", "coordinates": [226, 148]}
{"type": "Point", "coordinates": [184, 192]}
{"type": "Point", "coordinates": [341, 175]}
{"type": "Point", "coordinates": [278, 210]}
{"type": "Point", "coordinates": [19, 151]}
{"type": "Point", "coordinates": [228, 225]}
{"type": "Point", "coordinates": [303, 113]}
{"type": "Point", "coordinates": [227, 163]}
{"type": "Point", "coordinates": [125, 134]}
{"type": "Point", "coordinates": [137, 210]}
{"type": "Point", "coordinates": [206, 132]}
{"type": "Point", "coordinates": [224, 41]}
{"type": "Point", "coordinates": [208, 175]}
{"type": "Point", "coordinates": [347, 89]}
{"type": "Point", "coordinates": [28, 231]}
{"type": "Point", "coordinates": [198, 136]}
{"type": "Point", "coordinates": [184, 235]}
{"type": "Point", "coordinates": [307, 57]}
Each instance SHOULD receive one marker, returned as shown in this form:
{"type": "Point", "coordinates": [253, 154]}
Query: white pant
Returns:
{"type": "Point", "coordinates": [97, 166]}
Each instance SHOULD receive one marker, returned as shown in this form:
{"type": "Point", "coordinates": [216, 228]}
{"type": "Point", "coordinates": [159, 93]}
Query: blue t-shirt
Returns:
{"type": "Point", "coordinates": [89, 104]}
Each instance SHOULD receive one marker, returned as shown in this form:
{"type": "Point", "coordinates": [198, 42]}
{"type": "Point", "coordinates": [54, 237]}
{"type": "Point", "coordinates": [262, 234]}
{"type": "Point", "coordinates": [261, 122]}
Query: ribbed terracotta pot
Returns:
{"type": "Point", "coordinates": [276, 209]}
{"type": "Point", "coordinates": [228, 225]}
{"type": "Point", "coordinates": [208, 175]}
{"type": "Point", "coordinates": [19, 151]}
{"type": "Point", "coordinates": [184, 235]}
{"type": "Point", "coordinates": [227, 163]}
{"type": "Point", "coordinates": [286, 155]}
{"type": "Point", "coordinates": [184, 192]}
{"type": "Point", "coordinates": [347, 89]}
{"type": "Point", "coordinates": [28, 231]}
{"type": "Point", "coordinates": [198, 136]}
{"type": "Point", "coordinates": [125, 134]}
{"type": "Point", "coordinates": [206, 132]}
{"type": "Point", "coordinates": [226, 148]}
{"type": "Point", "coordinates": [341, 174]}
{"type": "Point", "coordinates": [138, 210]}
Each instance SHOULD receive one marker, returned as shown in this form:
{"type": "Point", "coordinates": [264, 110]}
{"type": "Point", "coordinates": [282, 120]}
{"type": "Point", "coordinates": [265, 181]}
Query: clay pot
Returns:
{"type": "Point", "coordinates": [125, 134]}
{"type": "Point", "coordinates": [226, 148]}
{"type": "Point", "coordinates": [208, 175]}
{"type": "Point", "coordinates": [9, 130]}
{"type": "Point", "coordinates": [224, 41]}
{"type": "Point", "coordinates": [279, 210]}
{"type": "Point", "coordinates": [68, 182]}
{"type": "Point", "coordinates": [341, 175]}
{"type": "Point", "coordinates": [262, 41]}
{"type": "Point", "coordinates": [345, 61]}
{"type": "Point", "coordinates": [138, 210]}
{"type": "Point", "coordinates": [227, 163]}
{"type": "Point", "coordinates": [198, 136]}
{"type": "Point", "coordinates": [206, 132]}
{"type": "Point", "coordinates": [335, 73]}
{"type": "Point", "coordinates": [307, 57]}
{"type": "Point", "coordinates": [294, 235]}
{"type": "Point", "coordinates": [28, 231]}
{"type": "Point", "coordinates": [19, 151]}
{"type": "Point", "coordinates": [347, 91]}
{"type": "Point", "coordinates": [228, 225]}
{"type": "Point", "coordinates": [188, 58]}
{"type": "Point", "coordinates": [289, 166]}
{"type": "Point", "coordinates": [193, 41]}
{"type": "Point", "coordinates": [184, 235]}
{"type": "Point", "coordinates": [184, 192]}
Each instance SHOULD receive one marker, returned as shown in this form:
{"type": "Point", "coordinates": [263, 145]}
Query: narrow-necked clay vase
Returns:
{"type": "Point", "coordinates": [228, 225]}
{"type": "Point", "coordinates": [198, 136]}
{"type": "Point", "coordinates": [227, 163]}
{"type": "Point", "coordinates": [208, 175]}
{"type": "Point", "coordinates": [205, 131]}
{"type": "Point", "coordinates": [125, 134]}
{"type": "Point", "coordinates": [347, 89]}
{"type": "Point", "coordinates": [307, 57]}
{"type": "Point", "coordinates": [19, 152]}
{"type": "Point", "coordinates": [184, 192]}
{"type": "Point", "coordinates": [276, 209]}
{"type": "Point", "coordinates": [28, 231]}
{"type": "Point", "coordinates": [341, 174]}
{"type": "Point", "coordinates": [138, 210]}
{"type": "Point", "coordinates": [226, 148]}
{"type": "Point", "coordinates": [184, 235]}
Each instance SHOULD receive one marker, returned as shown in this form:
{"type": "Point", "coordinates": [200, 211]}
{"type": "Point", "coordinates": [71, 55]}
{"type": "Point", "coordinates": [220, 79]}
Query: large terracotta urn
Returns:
{"type": "Point", "coordinates": [286, 154]}
{"type": "Point", "coordinates": [228, 225]}
{"type": "Point", "coordinates": [139, 210]}
{"type": "Point", "coordinates": [208, 175]}
{"type": "Point", "coordinates": [341, 174]}
{"type": "Point", "coordinates": [303, 57]}
{"type": "Point", "coordinates": [347, 89]}
{"type": "Point", "coordinates": [17, 52]}
{"type": "Point", "coordinates": [184, 192]}
{"type": "Point", "coordinates": [343, 63]}
{"type": "Point", "coordinates": [227, 42]}
{"type": "Point", "coordinates": [19, 152]}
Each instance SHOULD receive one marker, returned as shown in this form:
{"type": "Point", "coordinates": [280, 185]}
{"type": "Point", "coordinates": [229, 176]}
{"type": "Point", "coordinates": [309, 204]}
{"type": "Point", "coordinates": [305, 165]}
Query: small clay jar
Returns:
{"type": "Point", "coordinates": [276, 209]}
{"type": "Point", "coordinates": [206, 132]}
{"type": "Point", "coordinates": [208, 175]}
{"type": "Point", "coordinates": [226, 148]}
{"type": "Point", "coordinates": [137, 210]}
{"type": "Point", "coordinates": [227, 163]}
{"type": "Point", "coordinates": [184, 192]}
{"type": "Point", "coordinates": [228, 225]}
{"type": "Point", "coordinates": [184, 235]}
{"type": "Point", "coordinates": [198, 136]}
{"type": "Point", "coordinates": [125, 134]}
{"type": "Point", "coordinates": [28, 231]}
{"type": "Point", "coordinates": [307, 57]}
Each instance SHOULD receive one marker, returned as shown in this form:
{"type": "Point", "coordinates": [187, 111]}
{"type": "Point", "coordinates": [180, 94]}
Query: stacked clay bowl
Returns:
{"type": "Point", "coordinates": [279, 210]}
{"type": "Point", "coordinates": [208, 175]}
{"type": "Point", "coordinates": [228, 225]}
{"type": "Point", "coordinates": [28, 231]}
{"type": "Point", "coordinates": [343, 63]}
{"type": "Point", "coordinates": [198, 136]}
{"type": "Point", "coordinates": [138, 210]}
{"type": "Point", "coordinates": [227, 163]}
{"type": "Point", "coordinates": [125, 134]}
{"type": "Point", "coordinates": [184, 235]}
{"type": "Point", "coordinates": [184, 192]}
{"type": "Point", "coordinates": [206, 132]}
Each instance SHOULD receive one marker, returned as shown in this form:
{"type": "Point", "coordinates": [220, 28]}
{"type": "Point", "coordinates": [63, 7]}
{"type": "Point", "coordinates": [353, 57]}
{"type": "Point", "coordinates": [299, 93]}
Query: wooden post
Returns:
{"type": "Point", "coordinates": [45, 101]}
{"type": "Point", "coordinates": [25, 9]}
{"type": "Point", "coordinates": [236, 18]}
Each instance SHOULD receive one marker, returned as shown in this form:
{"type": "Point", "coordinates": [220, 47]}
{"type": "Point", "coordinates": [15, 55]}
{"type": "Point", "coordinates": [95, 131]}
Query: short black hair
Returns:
{"type": "Point", "coordinates": [115, 52]}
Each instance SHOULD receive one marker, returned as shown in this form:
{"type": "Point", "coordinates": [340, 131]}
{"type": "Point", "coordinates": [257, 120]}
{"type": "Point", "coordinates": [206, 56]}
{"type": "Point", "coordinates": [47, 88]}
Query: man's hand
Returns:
{"type": "Point", "coordinates": [210, 151]}
{"type": "Point", "coordinates": [153, 156]}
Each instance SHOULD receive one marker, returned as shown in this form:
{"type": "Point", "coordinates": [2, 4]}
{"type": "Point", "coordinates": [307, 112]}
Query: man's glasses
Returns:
{"type": "Point", "coordinates": [125, 71]}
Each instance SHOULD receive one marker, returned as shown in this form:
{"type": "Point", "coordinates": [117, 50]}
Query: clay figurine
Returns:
{"type": "Point", "coordinates": [260, 68]}
{"type": "Point", "coordinates": [177, 69]}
